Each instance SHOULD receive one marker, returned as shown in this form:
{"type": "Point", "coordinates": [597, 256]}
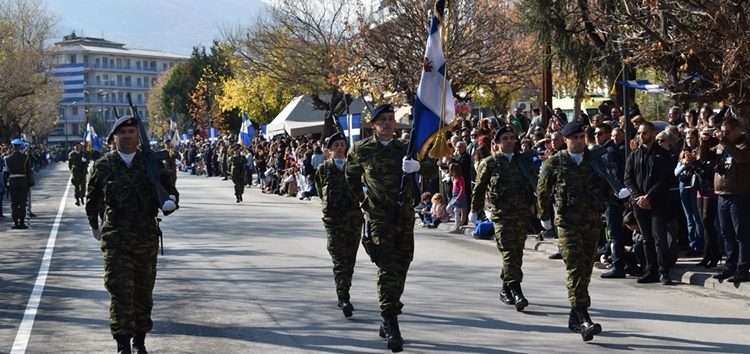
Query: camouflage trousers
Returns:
{"type": "Point", "coordinates": [578, 245]}
{"type": "Point", "coordinates": [395, 251]}
{"type": "Point", "coordinates": [239, 184]}
{"type": "Point", "coordinates": [510, 236]}
{"type": "Point", "coordinates": [79, 185]}
{"type": "Point", "coordinates": [129, 276]}
{"type": "Point", "coordinates": [342, 241]}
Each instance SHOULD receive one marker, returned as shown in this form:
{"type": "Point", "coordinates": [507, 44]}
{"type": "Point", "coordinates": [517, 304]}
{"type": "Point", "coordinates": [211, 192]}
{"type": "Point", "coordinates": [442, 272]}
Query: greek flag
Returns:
{"type": "Point", "coordinates": [185, 138]}
{"type": "Point", "coordinates": [263, 130]}
{"type": "Point", "coordinates": [91, 139]}
{"type": "Point", "coordinates": [71, 77]}
{"type": "Point", "coordinates": [644, 85]}
{"type": "Point", "coordinates": [351, 125]}
{"type": "Point", "coordinates": [431, 100]}
{"type": "Point", "coordinates": [213, 134]}
{"type": "Point", "coordinates": [247, 131]}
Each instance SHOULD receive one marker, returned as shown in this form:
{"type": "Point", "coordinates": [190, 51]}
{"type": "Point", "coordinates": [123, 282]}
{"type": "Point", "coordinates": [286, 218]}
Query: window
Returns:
{"type": "Point", "coordinates": [111, 63]}
{"type": "Point", "coordinates": [74, 129]}
{"type": "Point", "coordinates": [140, 98]}
{"type": "Point", "coordinates": [138, 65]}
{"type": "Point", "coordinates": [145, 81]}
{"type": "Point", "coordinates": [59, 129]}
{"type": "Point", "coordinates": [119, 80]}
{"type": "Point", "coordinates": [85, 60]}
{"type": "Point", "coordinates": [73, 59]}
{"type": "Point", "coordinates": [120, 97]}
{"type": "Point", "coordinates": [74, 111]}
{"type": "Point", "coordinates": [164, 67]}
{"type": "Point", "coordinates": [128, 82]}
{"type": "Point", "coordinates": [139, 82]}
{"type": "Point", "coordinates": [96, 63]}
{"type": "Point", "coordinates": [119, 63]}
{"type": "Point", "coordinates": [98, 80]}
{"type": "Point", "coordinates": [104, 62]}
{"type": "Point", "coordinates": [127, 64]}
{"type": "Point", "coordinates": [153, 65]}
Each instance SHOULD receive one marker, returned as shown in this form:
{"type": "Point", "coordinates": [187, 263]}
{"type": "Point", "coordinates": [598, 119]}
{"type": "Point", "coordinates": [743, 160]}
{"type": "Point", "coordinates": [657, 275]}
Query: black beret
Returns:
{"type": "Point", "coordinates": [124, 121]}
{"type": "Point", "coordinates": [502, 130]}
{"type": "Point", "coordinates": [383, 108]}
{"type": "Point", "coordinates": [572, 128]}
{"type": "Point", "coordinates": [334, 137]}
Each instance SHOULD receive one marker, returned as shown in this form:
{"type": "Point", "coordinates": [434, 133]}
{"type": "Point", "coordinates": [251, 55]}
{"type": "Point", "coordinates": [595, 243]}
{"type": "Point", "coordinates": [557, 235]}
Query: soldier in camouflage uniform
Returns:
{"type": "Point", "coordinates": [170, 164]}
{"type": "Point", "coordinates": [378, 163]}
{"type": "Point", "coordinates": [510, 177]}
{"type": "Point", "coordinates": [342, 218]}
{"type": "Point", "coordinates": [18, 175]}
{"type": "Point", "coordinates": [77, 164]}
{"type": "Point", "coordinates": [129, 235]}
{"type": "Point", "coordinates": [579, 195]}
{"type": "Point", "coordinates": [236, 165]}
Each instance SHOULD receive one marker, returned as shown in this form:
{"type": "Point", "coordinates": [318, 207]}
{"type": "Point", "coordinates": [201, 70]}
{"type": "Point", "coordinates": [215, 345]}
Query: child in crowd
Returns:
{"type": "Point", "coordinates": [439, 214]}
{"type": "Point", "coordinates": [637, 254]}
{"type": "Point", "coordinates": [424, 209]}
{"type": "Point", "coordinates": [458, 202]}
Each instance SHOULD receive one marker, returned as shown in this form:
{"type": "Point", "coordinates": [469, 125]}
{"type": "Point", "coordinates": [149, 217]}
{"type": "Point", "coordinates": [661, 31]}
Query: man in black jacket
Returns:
{"type": "Point", "coordinates": [648, 172]}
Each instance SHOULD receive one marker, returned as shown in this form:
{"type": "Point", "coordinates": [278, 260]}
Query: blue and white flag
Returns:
{"type": "Point", "coordinates": [351, 125]}
{"type": "Point", "coordinates": [263, 130]}
{"type": "Point", "coordinates": [91, 139]}
{"type": "Point", "coordinates": [71, 77]}
{"type": "Point", "coordinates": [433, 108]}
{"type": "Point", "coordinates": [644, 85]}
{"type": "Point", "coordinates": [175, 138]}
{"type": "Point", "coordinates": [247, 131]}
{"type": "Point", "coordinates": [213, 134]}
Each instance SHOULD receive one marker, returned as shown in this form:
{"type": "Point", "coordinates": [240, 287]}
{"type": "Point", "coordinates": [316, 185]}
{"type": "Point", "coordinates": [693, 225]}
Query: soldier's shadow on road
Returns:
{"type": "Point", "coordinates": [635, 342]}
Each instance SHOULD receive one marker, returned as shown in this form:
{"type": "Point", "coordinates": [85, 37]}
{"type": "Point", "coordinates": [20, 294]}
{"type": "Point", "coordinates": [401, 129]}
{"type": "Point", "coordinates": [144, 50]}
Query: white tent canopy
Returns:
{"type": "Point", "coordinates": [300, 117]}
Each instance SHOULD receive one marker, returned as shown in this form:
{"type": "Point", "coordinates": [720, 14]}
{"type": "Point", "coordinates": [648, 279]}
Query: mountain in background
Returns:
{"type": "Point", "coordinates": [167, 25]}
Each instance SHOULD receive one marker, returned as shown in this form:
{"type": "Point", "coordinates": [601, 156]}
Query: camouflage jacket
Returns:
{"type": "Point", "coordinates": [338, 199]}
{"type": "Point", "coordinates": [76, 163]}
{"type": "Point", "coordinates": [125, 195]}
{"type": "Point", "coordinates": [579, 193]}
{"type": "Point", "coordinates": [509, 189]}
{"type": "Point", "coordinates": [236, 165]}
{"type": "Point", "coordinates": [378, 167]}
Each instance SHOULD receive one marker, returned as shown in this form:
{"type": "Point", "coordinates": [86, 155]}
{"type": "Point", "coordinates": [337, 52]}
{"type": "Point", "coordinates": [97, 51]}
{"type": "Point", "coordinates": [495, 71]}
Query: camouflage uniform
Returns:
{"type": "Point", "coordinates": [77, 164]}
{"type": "Point", "coordinates": [379, 168]}
{"type": "Point", "coordinates": [18, 174]}
{"type": "Point", "coordinates": [579, 195]}
{"type": "Point", "coordinates": [343, 222]}
{"type": "Point", "coordinates": [236, 165]}
{"type": "Point", "coordinates": [512, 200]}
{"type": "Point", "coordinates": [129, 237]}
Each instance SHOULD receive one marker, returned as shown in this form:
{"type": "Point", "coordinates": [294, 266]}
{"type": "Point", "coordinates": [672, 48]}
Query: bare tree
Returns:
{"type": "Point", "coordinates": [299, 44]}
{"type": "Point", "coordinates": [28, 97]}
{"type": "Point", "coordinates": [484, 48]}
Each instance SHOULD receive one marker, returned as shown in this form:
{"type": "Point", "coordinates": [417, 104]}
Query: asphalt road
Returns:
{"type": "Point", "coordinates": [256, 277]}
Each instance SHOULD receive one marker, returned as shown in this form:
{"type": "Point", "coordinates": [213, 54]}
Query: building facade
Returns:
{"type": "Point", "coordinates": [97, 75]}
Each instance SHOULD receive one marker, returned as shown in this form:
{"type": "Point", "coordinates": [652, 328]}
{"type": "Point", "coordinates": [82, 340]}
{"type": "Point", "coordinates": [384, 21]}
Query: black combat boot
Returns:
{"type": "Point", "coordinates": [240, 197]}
{"type": "Point", "coordinates": [505, 296]}
{"type": "Point", "coordinates": [390, 331]}
{"type": "Point", "coordinates": [78, 202]}
{"type": "Point", "coordinates": [587, 326]}
{"type": "Point", "coordinates": [237, 197]}
{"type": "Point", "coordinates": [518, 298]}
{"type": "Point", "coordinates": [123, 343]}
{"type": "Point", "coordinates": [573, 323]}
{"type": "Point", "coordinates": [346, 307]}
{"type": "Point", "coordinates": [139, 343]}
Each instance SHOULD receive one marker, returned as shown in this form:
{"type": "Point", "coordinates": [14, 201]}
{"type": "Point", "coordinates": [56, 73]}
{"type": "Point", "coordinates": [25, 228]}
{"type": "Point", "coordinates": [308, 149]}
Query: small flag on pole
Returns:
{"type": "Point", "coordinates": [91, 139]}
{"type": "Point", "coordinates": [247, 131]}
{"type": "Point", "coordinates": [213, 134]}
{"type": "Point", "coordinates": [351, 124]}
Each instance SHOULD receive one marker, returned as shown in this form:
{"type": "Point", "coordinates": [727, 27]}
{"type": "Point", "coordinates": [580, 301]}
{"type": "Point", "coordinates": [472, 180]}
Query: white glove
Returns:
{"type": "Point", "coordinates": [83, 159]}
{"type": "Point", "coordinates": [473, 217]}
{"type": "Point", "coordinates": [97, 233]}
{"type": "Point", "coordinates": [366, 215]}
{"type": "Point", "coordinates": [623, 193]}
{"type": "Point", "coordinates": [169, 204]}
{"type": "Point", "coordinates": [410, 166]}
{"type": "Point", "coordinates": [547, 224]}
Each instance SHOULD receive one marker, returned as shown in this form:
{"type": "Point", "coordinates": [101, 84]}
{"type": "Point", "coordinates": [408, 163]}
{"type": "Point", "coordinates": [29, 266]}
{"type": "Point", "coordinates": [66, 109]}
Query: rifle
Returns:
{"type": "Point", "coordinates": [154, 160]}
{"type": "Point", "coordinates": [598, 165]}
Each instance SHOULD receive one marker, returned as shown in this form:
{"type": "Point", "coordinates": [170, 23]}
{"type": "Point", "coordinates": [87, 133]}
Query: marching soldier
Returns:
{"type": "Point", "coordinates": [342, 218]}
{"type": "Point", "coordinates": [511, 179]}
{"type": "Point", "coordinates": [236, 165]}
{"type": "Point", "coordinates": [378, 163]}
{"type": "Point", "coordinates": [77, 164]}
{"type": "Point", "coordinates": [170, 164]}
{"type": "Point", "coordinates": [19, 176]}
{"type": "Point", "coordinates": [579, 194]}
{"type": "Point", "coordinates": [120, 188]}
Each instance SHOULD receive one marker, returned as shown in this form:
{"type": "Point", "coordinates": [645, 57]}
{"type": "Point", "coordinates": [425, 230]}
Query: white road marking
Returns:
{"type": "Point", "coordinates": [24, 331]}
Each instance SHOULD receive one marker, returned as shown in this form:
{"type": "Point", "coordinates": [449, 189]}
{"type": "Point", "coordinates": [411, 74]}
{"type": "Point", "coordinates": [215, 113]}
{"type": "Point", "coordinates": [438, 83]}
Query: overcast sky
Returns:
{"type": "Point", "coordinates": [169, 25]}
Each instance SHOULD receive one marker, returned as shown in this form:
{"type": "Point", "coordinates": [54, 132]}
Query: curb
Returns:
{"type": "Point", "coordinates": [684, 271]}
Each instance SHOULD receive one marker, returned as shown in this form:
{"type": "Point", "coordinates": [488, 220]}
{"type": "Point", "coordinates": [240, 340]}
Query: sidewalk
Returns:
{"type": "Point", "coordinates": [684, 271]}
